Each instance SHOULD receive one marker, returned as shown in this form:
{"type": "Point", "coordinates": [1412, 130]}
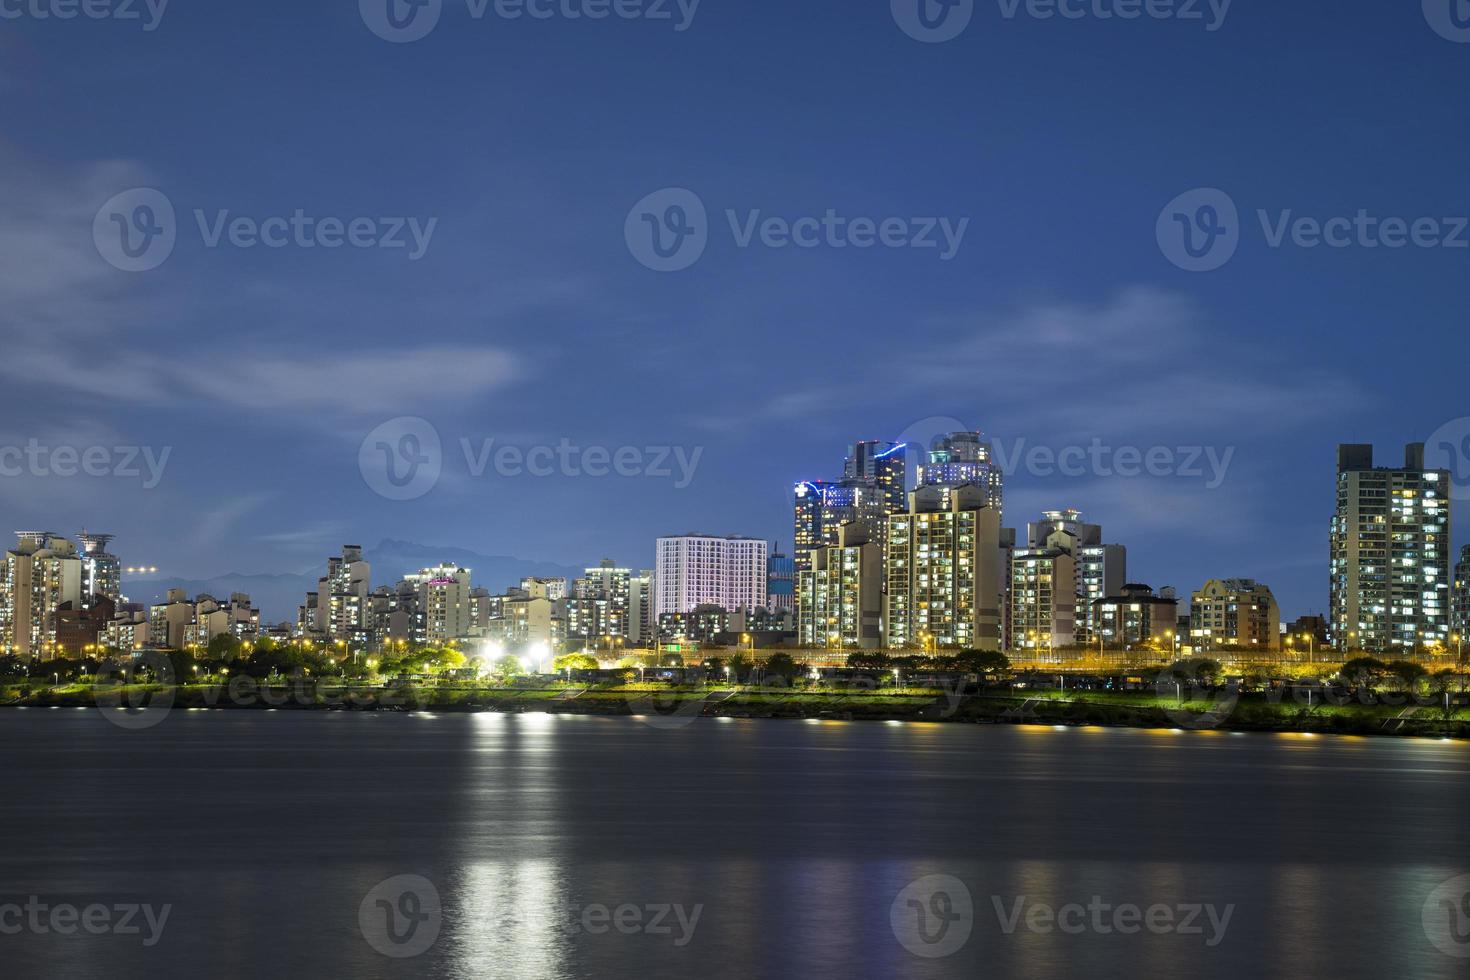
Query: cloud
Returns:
{"type": "Point", "coordinates": [363, 383]}
{"type": "Point", "coordinates": [1145, 360]}
{"type": "Point", "coordinates": [54, 283]}
{"type": "Point", "coordinates": [61, 297]}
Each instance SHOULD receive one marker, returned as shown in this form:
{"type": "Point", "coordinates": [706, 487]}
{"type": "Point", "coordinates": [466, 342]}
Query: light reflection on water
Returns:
{"type": "Point", "coordinates": [266, 831]}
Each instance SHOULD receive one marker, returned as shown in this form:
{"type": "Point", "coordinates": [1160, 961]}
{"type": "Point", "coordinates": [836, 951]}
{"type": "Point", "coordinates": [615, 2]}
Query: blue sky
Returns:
{"type": "Point", "coordinates": [527, 320]}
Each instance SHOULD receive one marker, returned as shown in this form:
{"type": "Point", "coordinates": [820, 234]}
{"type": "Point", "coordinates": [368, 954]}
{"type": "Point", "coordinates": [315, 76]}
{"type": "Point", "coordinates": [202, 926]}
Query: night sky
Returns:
{"type": "Point", "coordinates": [532, 318]}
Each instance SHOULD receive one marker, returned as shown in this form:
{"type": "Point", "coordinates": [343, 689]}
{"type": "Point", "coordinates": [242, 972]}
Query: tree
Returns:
{"type": "Point", "coordinates": [869, 661]}
{"type": "Point", "coordinates": [223, 647]}
{"type": "Point", "coordinates": [739, 667]}
{"type": "Point", "coordinates": [1198, 670]}
{"type": "Point", "coordinates": [574, 661]}
{"type": "Point", "coordinates": [1364, 670]}
{"type": "Point", "coordinates": [982, 662]}
{"type": "Point", "coordinates": [508, 666]}
{"type": "Point", "coordinates": [449, 659]}
{"type": "Point", "coordinates": [781, 665]}
{"type": "Point", "coordinates": [1407, 671]}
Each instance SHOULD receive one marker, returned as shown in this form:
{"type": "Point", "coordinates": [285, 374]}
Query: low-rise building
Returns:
{"type": "Point", "coordinates": [1237, 615]}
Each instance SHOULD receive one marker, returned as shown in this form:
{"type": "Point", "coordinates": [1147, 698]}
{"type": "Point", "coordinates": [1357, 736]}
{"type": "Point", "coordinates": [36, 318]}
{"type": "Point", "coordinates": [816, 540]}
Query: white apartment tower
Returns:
{"type": "Point", "coordinates": [693, 570]}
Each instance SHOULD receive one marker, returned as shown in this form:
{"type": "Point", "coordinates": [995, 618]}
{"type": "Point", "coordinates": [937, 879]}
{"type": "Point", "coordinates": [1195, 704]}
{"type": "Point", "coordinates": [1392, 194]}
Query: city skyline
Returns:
{"type": "Point", "coordinates": [1061, 543]}
{"type": "Point", "coordinates": [527, 320]}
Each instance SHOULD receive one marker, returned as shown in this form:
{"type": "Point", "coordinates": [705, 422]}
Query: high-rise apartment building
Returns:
{"type": "Point", "coordinates": [964, 459]}
{"type": "Point", "coordinates": [101, 572]}
{"type": "Point", "coordinates": [1099, 570]}
{"type": "Point", "coordinates": [554, 588]}
{"type": "Point", "coordinates": [40, 574]}
{"type": "Point", "coordinates": [1390, 552]}
{"type": "Point", "coordinates": [781, 583]}
{"type": "Point", "coordinates": [343, 610]}
{"type": "Point", "coordinates": [1460, 620]}
{"type": "Point", "coordinates": [944, 570]}
{"type": "Point", "coordinates": [872, 488]}
{"type": "Point", "coordinates": [642, 623]}
{"type": "Point", "coordinates": [1234, 615]}
{"type": "Point", "coordinates": [598, 606]}
{"type": "Point", "coordinates": [443, 602]}
{"type": "Point", "coordinates": [883, 466]}
{"type": "Point", "coordinates": [1043, 598]}
{"type": "Point", "coordinates": [839, 601]}
{"type": "Point", "coordinates": [698, 570]}
{"type": "Point", "coordinates": [821, 508]}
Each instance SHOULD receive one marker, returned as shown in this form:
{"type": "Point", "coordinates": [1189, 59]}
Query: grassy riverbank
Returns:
{"type": "Point", "coordinates": [660, 704]}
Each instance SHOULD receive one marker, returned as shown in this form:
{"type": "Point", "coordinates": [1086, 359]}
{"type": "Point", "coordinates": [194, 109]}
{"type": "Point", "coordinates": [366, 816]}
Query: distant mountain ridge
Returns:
{"type": "Point", "coordinates": [278, 595]}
